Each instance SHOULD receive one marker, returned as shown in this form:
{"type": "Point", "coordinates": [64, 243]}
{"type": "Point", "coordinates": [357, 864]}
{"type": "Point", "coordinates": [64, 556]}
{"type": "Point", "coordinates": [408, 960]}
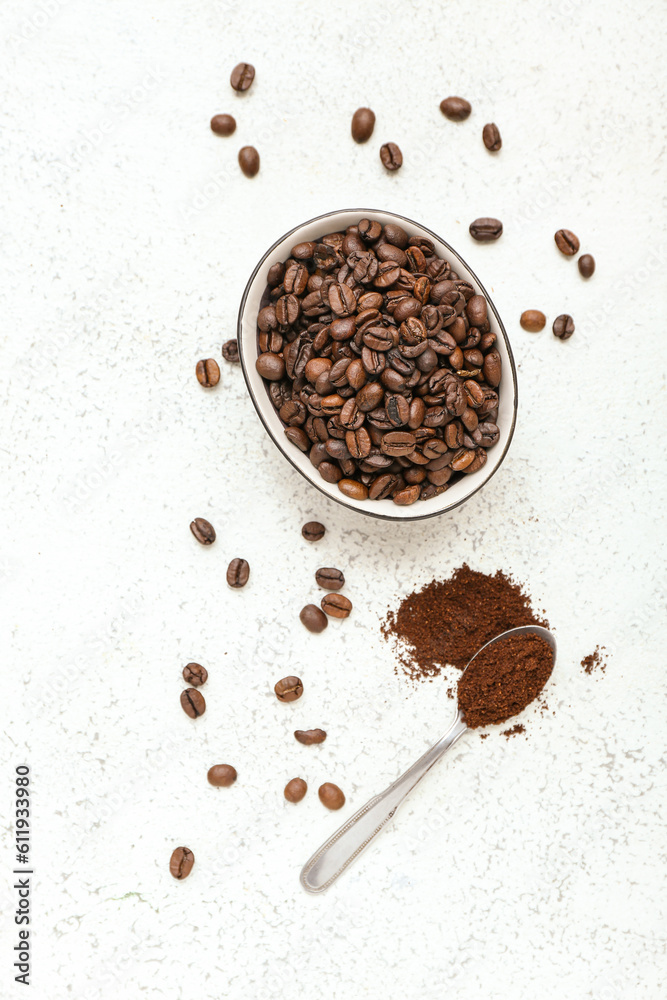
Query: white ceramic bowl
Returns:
{"type": "Point", "coordinates": [460, 491]}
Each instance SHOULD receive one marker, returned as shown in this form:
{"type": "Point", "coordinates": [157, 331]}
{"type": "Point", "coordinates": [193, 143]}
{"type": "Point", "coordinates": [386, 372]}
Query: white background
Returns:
{"type": "Point", "coordinates": [526, 868]}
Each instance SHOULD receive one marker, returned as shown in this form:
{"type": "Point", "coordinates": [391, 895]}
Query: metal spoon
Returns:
{"type": "Point", "coordinates": [347, 843]}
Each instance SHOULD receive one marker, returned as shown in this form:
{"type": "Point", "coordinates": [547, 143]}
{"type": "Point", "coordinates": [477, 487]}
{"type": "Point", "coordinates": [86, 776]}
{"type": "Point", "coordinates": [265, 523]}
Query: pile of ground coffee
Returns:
{"type": "Point", "coordinates": [447, 621]}
{"type": "Point", "coordinates": [594, 661]}
{"type": "Point", "coordinates": [504, 679]}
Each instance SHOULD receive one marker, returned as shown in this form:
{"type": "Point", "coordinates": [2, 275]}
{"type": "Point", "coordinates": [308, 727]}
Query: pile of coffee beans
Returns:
{"type": "Point", "coordinates": [381, 363]}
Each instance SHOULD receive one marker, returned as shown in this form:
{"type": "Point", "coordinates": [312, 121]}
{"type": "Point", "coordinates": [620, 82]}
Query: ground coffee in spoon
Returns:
{"type": "Point", "coordinates": [504, 679]}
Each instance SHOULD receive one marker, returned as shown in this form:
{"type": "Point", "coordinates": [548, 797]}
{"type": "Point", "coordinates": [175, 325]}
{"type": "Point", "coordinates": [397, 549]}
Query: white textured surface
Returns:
{"type": "Point", "coordinates": [520, 869]}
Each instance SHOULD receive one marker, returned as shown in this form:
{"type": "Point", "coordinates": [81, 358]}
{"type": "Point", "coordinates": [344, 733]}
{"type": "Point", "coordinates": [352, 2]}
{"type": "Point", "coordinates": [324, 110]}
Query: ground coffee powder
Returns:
{"type": "Point", "coordinates": [504, 679]}
{"type": "Point", "coordinates": [447, 621]}
{"type": "Point", "coordinates": [594, 661]}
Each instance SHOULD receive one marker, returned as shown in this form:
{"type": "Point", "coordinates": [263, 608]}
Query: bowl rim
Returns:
{"type": "Point", "coordinates": [342, 500]}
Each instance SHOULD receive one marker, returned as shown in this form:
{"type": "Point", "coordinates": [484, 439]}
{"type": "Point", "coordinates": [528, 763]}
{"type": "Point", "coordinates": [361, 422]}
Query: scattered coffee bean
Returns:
{"type": "Point", "coordinates": [486, 230]}
{"type": "Point", "coordinates": [203, 531]}
{"type": "Point", "coordinates": [295, 790]}
{"type": "Point", "coordinates": [336, 605]}
{"type": "Point", "coordinates": [310, 736]}
{"type": "Point", "coordinates": [331, 796]}
{"type": "Point", "coordinates": [238, 573]}
{"type": "Point", "coordinates": [230, 351]}
{"type": "Point", "coordinates": [288, 689]}
{"type": "Point", "coordinates": [193, 702]}
{"type": "Point", "coordinates": [242, 76]}
{"type": "Point", "coordinates": [586, 265]}
{"type": "Point", "coordinates": [363, 123]}
{"type": "Point", "coordinates": [181, 862]}
{"type": "Point", "coordinates": [491, 137]}
{"type": "Point", "coordinates": [391, 156]}
{"type": "Point", "coordinates": [313, 618]}
{"type": "Point", "coordinates": [533, 320]}
{"type": "Point", "coordinates": [208, 373]}
{"type": "Point", "coordinates": [456, 109]}
{"type": "Point", "coordinates": [222, 775]}
{"type": "Point", "coordinates": [223, 124]}
{"type": "Point", "coordinates": [563, 327]}
{"type": "Point", "coordinates": [330, 578]}
{"type": "Point", "coordinates": [370, 351]}
{"type": "Point", "coordinates": [567, 242]}
{"type": "Point", "coordinates": [312, 531]}
{"type": "Point", "coordinates": [249, 160]}
{"type": "Point", "coordinates": [195, 674]}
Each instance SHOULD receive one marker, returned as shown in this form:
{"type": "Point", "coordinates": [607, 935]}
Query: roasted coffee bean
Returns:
{"type": "Point", "coordinates": [391, 156]}
{"type": "Point", "coordinates": [358, 443]}
{"type": "Point", "coordinates": [249, 160]}
{"type": "Point", "coordinates": [533, 320]}
{"type": "Point", "coordinates": [329, 472]}
{"type": "Point", "coordinates": [462, 459]}
{"type": "Point", "coordinates": [193, 702]}
{"type": "Point", "coordinates": [563, 327]}
{"type": "Point", "coordinates": [312, 531]}
{"type": "Point", "coordinates": [488, 434]}
{"type": "Point", "coordinates": [288, 689]}
{"type": "Point", "coordinates": [397, 443]}
{"type": "Point", "coordinates": [439, 477]}
{"type": "Point", "coordinates": [331, 796]}
{"type": "Point", "coordinates": [336, 605]}
{"type": "Point", "coordinates": [586, 265]}
{"type": "Point", "coordinates": [476, 310]}
{"type": "Point", "coordinates": [363, 123]}
{"type": "Point", "coordinates": [478, 461]}
{"type": "Point", "coordinates": [313, 617]}
{"type": "Point", "coordinates": [223, 124]}
{"type": "Point", "coordinates": [208, 373]}
{"type": "Point", "coordinates": [491, 137]}
{"type": "Point", "coordinates": [222, 775]}
{"type": "Point", "coordinates": [369, 229]}
{"type": "Point", "coordinates": [181, 862]}
{"type": "Point", "coordinates": [457, 109]}
{"type": "Point", "coordinates": [242, 76]}
{"type": "Point", "coordinates": [406, 496]}
{"type": "Point", "coordinates": [194, 674]}
{"type": "Point", "coordinates": [238, 573]}
{"type": "Point", "coordinates": [493, 367]}
{"type": "Point", "coordinates": [567, 242]}
{"type": "Point", "coordinates": [393, 233]}
{"type": "Point", "coordinates": [330, 578]}
{"type": "Point", "coordinates": [298, 437]}
{"type": "Point", "coordinates": [230, 351]}
{"type": "Point", "coordinates": [270, 366]}
{"type": "Point", "coordinates": [486, 230]}
{"type": "Point", "coordinates": [397, 409]}
{"type": "Point", "coordinates": [352, 487]}
{"type": "Point", "coordinates": [203, 531]}
{"type": "Point", "coordinates": [295, 790]}
{"type": "Point", "coordinates": [310, 736]}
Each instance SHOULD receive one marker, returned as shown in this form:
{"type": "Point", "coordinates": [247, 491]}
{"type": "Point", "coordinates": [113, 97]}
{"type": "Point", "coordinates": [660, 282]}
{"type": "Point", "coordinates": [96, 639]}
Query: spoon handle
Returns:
{"type": "Point", "coordinates": [347, 843]}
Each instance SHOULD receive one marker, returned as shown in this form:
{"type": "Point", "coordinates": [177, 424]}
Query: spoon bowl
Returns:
{"type": "Point", "coordinates": [354, 836]}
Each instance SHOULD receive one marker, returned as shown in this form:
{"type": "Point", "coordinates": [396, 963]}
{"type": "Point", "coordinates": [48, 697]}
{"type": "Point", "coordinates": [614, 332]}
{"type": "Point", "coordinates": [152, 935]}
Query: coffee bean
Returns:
{"type": "Point", "coordinates": [563, 327]}
{"type": "Point", "coordinates": [222, 775]}
{"type": "Point", "coordinates": [312, 531]}
{"type": "Point", "coordinates": [406, 496]}
{"type": "Point", "coordinates": [533, 320]}
{"type": "Point", "coordinates": [223, 124]}
{"type": "Point", "coordinates": [352, 488]}
{"type": "Point", "coordinates": [249, 160]}
{"type": "Point", "coordinates": [208, 373]}
{"type": "Point", "coordinates": [238, 573]}
{"type": "Point", "coordinates": [310, 736]}
{"type": "Point", "coordinates": [295, 790]}
{"type": "Point", "coordinates": [288, 689]}
{"type": "Point", "coordinates": [330, 578]}
{"type": "Point", "coordinates": [203, 531]}
{"type": "Point", "coordinates": [270, 366]}
{"type": "Point", "coordinates": [456, 109]}
{"type": "Point", "coordinates": [586, 265]}
{"type": "Point", "coordinates": [331, 796]}
{"type": "Point", "coordinates": [181, 862]}
{"type": "Point", "coordinates": [242, 76]}
{"type": "Point", "coordinates": [313, 618]}
{"type": "Point", "coordinates": [329, 472]}
{"type": "Point", "coordinates": [567, 242]}
{"type": "Point", "coordinates": [195, 674]}
{"type": "Point", "coordinates": [391, 156]}
{"type": "Point", "coordinates": [486, 230]}
{"type": "Point", "coordinates": [230, 351]}
{"type": "Point", "coordinates": [336, 605]}
{"type": "Point", "coordinates": [363, 123]}
{"type": "Point", "coordinates": [491, 137]}
{"type": "Point", "coordinates": [193, 702]}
